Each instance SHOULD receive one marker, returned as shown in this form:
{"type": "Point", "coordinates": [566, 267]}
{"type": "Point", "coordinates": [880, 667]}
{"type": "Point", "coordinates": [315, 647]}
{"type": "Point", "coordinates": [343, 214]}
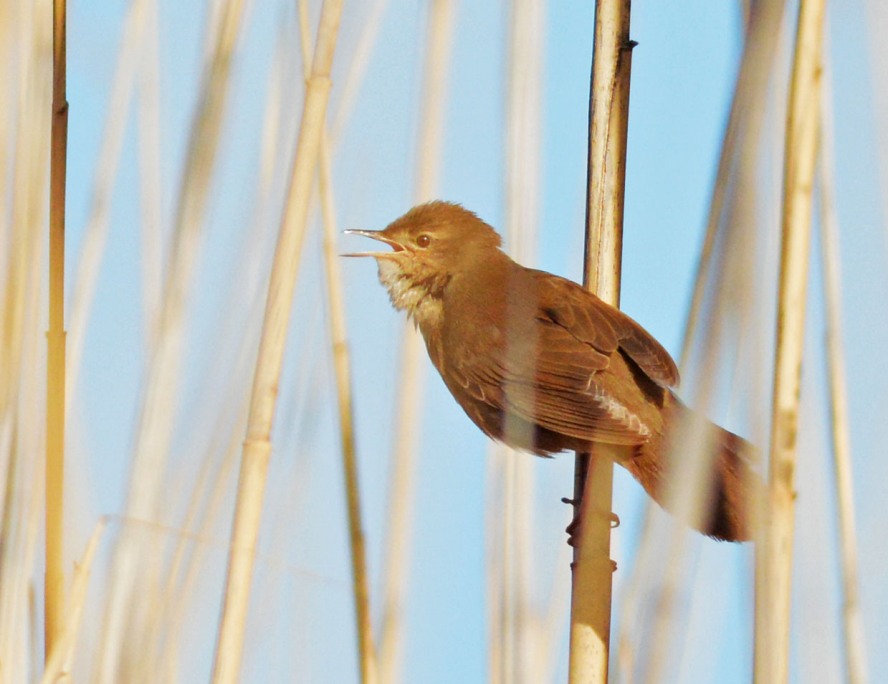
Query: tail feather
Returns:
{"type": "Point", "coordinates": [730, 507]}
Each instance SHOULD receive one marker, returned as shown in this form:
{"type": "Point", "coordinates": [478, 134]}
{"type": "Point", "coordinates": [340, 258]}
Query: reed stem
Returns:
{"type": "Point", "coordinates": [774, 554]}
{"type": "Point", "coordinates": [54, 581]}
{"type": "Point", "coordinates": [593, 484]}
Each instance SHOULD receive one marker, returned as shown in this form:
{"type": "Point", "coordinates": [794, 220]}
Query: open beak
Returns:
{"type": "Point", "coordinates": [375, 235]}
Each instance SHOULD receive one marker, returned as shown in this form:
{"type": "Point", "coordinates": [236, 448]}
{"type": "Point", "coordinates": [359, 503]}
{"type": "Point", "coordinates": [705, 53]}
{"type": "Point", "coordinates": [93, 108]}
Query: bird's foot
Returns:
{"type": "Point", "coordinates": [573, 529]}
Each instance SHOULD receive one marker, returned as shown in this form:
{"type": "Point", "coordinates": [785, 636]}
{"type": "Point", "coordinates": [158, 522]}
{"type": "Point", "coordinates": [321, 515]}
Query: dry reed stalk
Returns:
{"type": "Point", "coordinates": [342, 367]}
{"type": "Point", "coordinates": [592, 575]}
{"type": "Point", "coordinates": [58, 661]}
{"type": "Point", "coordinates": [342, 370]}
{"type": "Point", "coordinates": [408, 413]}
{"type": "Point", "coordinates": [257, 445]}
{"type": "Point", "coordinates": [54, 584]}
{"type": "Point", "coordinates": [852, 618]}
{"type": "Point", "coordinates": [774, 557]}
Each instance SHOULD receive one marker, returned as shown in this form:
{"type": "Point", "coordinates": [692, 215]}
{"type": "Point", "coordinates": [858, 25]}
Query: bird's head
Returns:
{"type": "Point", "coordinates": [430, 244]}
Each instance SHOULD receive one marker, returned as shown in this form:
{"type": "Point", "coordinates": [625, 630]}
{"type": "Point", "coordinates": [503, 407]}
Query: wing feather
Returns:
{"type": "Point", "coordinates": [550, 367]}
{"type": "Point", "coordinates": [604, 327]}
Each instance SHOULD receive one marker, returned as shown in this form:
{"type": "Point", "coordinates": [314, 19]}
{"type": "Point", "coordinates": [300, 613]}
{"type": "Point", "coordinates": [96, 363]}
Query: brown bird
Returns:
{"type": "Point", "coordinates": [540, 363]}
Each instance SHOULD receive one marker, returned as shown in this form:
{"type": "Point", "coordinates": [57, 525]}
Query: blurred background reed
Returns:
{"type": "Point", "coordinates": [182, 134]}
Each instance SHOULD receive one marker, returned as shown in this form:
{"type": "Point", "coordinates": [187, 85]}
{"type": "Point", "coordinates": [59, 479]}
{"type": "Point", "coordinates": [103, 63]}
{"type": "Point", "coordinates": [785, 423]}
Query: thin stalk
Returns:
{"type": "Point", "coordinates": [593, 481]}
{"type": "Point", "coordinates": [58, 662]}
{"type": "Point", "coordinates": [54, 580]}
{"type": "Point", "coordinates": [342, 367]}
{"type": "Point", "coordinates": [399, 526]}
{"type": "Point", "coordinates": [774, 557]}
{"type": "Point", "coordinates": [257, 445]}
{"type": "Point", "coordinates": [852, 618]}
{"type": "Point", "coordinates": [342, 370]}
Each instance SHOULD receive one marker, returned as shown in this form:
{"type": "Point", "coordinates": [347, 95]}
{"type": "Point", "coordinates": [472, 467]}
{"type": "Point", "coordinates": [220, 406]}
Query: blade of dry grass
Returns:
{"type": "Point", "coordinates": [774, 557]}
{"type": "Point", "coordinates": [593, 488]}
{"type": "Point", "coordinates": [54, 581]}
{"type": "Point", "coordinates": [257, 445]}
{"type": "Point", "coordinates": [852, 617]}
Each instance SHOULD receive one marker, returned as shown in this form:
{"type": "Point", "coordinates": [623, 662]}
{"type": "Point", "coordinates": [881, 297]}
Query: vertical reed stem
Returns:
{"type": "Point", "coordinates": [774, 556]}
{"type": "Point", "coordinates": [593, 488]}
{"type": "Point", "coordinates": [342, 368]}
{"type": "Point", "coordinates": [54, 580]}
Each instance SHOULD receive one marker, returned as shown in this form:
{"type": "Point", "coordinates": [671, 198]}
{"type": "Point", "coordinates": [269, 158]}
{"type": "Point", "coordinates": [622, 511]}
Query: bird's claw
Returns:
{"type": "Point", "coordinates": [573, 528]}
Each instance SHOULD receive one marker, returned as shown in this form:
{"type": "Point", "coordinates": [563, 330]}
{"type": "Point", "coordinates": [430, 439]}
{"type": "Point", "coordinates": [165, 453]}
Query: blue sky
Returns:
{"type": "Point", "coordinates": [682, 79]}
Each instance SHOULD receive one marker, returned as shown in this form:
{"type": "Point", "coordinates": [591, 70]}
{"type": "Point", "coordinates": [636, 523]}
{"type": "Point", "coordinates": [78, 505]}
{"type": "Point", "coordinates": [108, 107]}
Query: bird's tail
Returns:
{"type": "Point", "coordinates": [731, 501]}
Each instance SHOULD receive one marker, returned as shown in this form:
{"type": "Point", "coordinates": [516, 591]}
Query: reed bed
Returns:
{"type": "Point", "coordinates": [183, 171]}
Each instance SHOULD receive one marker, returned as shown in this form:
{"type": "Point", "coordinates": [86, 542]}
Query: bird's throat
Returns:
{"type": "Point", "coordinates": [419, 294]}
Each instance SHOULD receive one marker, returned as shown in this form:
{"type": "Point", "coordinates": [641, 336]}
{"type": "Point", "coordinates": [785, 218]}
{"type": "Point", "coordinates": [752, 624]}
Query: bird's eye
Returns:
{"type": "Point", "coordinates": [423, 241]}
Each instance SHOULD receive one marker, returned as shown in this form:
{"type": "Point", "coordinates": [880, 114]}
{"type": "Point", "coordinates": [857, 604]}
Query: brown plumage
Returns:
{"type": "Point", "coordinates": [540, 363]}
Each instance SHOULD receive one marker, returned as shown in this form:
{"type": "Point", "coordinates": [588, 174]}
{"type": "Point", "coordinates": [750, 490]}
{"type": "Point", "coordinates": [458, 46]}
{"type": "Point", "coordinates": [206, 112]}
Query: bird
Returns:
{"type": "Point", "coordinates": [543, 365]}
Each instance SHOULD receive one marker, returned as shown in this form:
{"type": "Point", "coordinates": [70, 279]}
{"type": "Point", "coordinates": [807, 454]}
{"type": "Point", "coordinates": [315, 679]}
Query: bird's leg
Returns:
{"type": "Point", "coordinates": [580, 473]}
{"type": "Point", "coordinates": [574, 529]}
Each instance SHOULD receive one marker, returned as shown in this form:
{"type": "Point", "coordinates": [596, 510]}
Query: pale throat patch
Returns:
{"type": "Point", "coordinates": [406, 294]}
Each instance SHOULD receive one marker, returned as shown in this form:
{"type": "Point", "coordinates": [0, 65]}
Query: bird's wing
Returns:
{"type": "Point", "coordinates": [604, 327]}
{"type": "Point", "coordinates": [550, 374]}
{"type": "Point", "coordinates": [551, 385]}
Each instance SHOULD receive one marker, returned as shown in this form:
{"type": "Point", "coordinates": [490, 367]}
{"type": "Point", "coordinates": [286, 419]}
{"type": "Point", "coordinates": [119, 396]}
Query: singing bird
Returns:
{"type": "Point", "coordinates": [542, 364]}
